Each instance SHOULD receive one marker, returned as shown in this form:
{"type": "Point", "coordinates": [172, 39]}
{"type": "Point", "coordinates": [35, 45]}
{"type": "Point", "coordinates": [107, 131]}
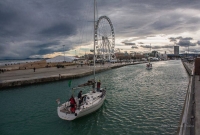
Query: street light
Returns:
{"type": "Point", "coordinates": [64, 51]}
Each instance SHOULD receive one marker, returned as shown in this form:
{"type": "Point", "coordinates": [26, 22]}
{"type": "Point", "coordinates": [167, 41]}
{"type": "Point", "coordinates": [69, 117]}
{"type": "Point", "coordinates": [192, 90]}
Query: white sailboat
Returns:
{"type": "Point", "coordinates": [90, 101]}
{"type": "Point", "coordinates": [149, 65]}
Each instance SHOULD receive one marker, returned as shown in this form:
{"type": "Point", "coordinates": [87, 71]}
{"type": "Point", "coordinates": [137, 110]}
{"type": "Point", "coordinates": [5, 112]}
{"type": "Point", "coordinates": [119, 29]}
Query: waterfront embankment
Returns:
{"type": "Point", "coordinates": [190, 118]}
{"type": "Point", "coordinates": [29, 76]}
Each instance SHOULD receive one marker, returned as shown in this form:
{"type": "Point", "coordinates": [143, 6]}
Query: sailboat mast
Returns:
{"type": "Point", "coordinates": [150, 52]}
{"type": "Point", "coordinates": [94, 38]}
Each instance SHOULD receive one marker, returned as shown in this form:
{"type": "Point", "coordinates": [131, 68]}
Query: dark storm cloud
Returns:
{"type": "Point", "coordinates": [145, 46]}
{"type": "Point", "coordinates": [172, 39]}
{"type": "Point", "coordinates": [187, 38]}
{"type": "Point", "coordinates": [47, 45]}
{"type": "Point", "coordinates": [185, 43]}
{"type": "Point", "coordinates": [129, 43]}
{"type": "Point", "coordinates": [34, 25]}
{"type": "Point", "coordinates": [51, 47]}
{"type": "Point", "coordinates": [182, 41]}
{"type": "Point", "coordinates": [198, 42]}
{"type": "Point", "coordinates": [165, 22]}
{"type": "Point", "coordinates": [43, 26]}
{"type": "Point", "coordinates": [153, 17]}
{"type": "Point", "coordinates": [157, 47]}
{"type": "Point", "coordinates": [59, 30]}
{"type": "Point", "coordinates": [7, 18]}
{"type": "Point", "coordinates": [134, 47]}
{"type": "Point", "coordinates": [161, 47]}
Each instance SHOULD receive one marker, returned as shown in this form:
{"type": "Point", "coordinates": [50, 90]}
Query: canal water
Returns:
{"type": "Point", "coordinates": [139, 102]}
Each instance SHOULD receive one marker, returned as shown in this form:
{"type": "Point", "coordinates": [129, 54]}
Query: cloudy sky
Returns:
{"type": "Point", "coordinates": [40, 28]}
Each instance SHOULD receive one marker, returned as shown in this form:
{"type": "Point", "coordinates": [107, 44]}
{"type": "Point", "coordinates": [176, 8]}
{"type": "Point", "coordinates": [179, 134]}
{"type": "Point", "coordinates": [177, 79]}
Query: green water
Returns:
{"type": "Point", "coordinates": [139, 102]}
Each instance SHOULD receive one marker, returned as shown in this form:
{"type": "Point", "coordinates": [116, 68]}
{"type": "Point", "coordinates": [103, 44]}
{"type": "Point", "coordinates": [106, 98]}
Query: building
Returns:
{"type": "Point", "coordinates": [176, 50]}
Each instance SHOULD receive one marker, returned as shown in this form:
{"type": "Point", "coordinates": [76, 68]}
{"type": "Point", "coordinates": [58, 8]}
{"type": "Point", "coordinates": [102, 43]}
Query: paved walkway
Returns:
{"type": "Point", "coordinates": [48, 72]}
{"type": "Point", "coordinates": [41, 75]}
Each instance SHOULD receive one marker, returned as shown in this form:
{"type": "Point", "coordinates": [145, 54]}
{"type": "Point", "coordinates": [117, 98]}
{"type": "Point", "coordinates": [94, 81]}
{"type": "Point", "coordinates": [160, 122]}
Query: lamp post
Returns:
{"type": "Point", "coordinates": [64, 51]}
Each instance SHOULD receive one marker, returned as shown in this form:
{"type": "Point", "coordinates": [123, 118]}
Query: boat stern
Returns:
{"type": "Point", "coordinates": [64, 114]}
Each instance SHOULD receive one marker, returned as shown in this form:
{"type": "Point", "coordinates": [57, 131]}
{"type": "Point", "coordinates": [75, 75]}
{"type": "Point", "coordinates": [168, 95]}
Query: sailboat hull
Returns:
{"type": "Point", "coordinates": [92, 108]}
{"type": "Point", "coordinates": [148, 68]}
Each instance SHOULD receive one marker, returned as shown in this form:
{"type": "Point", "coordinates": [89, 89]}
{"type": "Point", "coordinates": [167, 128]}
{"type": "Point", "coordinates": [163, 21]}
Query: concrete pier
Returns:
{"type": "Point", "coordinates": [41, 75]}
{"type": "Point", "coordinates": [190, 119]}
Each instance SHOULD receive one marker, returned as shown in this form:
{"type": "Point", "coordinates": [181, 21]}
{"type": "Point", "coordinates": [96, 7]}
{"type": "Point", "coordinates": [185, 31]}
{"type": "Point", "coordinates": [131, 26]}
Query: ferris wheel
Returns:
{"type": "Point", "coordinates": [104, 38]}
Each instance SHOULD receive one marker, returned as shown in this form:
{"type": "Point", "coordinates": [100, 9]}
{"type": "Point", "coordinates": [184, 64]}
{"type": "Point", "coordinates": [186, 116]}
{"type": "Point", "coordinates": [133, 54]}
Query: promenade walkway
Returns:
{"type": "Point", "coordinates": [28, 76]}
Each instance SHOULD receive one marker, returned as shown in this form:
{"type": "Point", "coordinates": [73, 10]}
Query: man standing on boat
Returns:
{"type": "Point", "coordinates": [80, 97]}
{"type": "Point", "coordinates": [98, 85]}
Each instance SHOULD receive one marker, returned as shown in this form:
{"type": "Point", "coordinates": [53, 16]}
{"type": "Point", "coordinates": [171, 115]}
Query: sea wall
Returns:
{"type": "Point", "coordinates": [15, 83]}
{"type": "Point", "coordinates": [51, 78]}
{"type": "Point", "coordinates": [186, 125]}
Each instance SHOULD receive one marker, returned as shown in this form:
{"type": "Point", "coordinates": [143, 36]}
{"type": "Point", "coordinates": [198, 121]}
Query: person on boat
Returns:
{"type": "Point", "coordinates": [72, 104]}
{"type": "Point", "coordinates": [93, 87]}
{"type": "Point", "coordinates": [80, 97]}
{"type": "Point", "coordinates": [98, 85]}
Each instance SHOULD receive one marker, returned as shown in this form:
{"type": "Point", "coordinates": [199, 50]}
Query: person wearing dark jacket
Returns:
{"type": "Point", "coordinates": [98, 85]}
{"type": "Point", "coordinates": [80, 97]}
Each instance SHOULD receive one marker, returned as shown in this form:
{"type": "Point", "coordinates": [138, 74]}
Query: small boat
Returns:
{"type": "Point", "coordinates": [149, 66]}
{"type": "Point", "coordinates": [88, 103]}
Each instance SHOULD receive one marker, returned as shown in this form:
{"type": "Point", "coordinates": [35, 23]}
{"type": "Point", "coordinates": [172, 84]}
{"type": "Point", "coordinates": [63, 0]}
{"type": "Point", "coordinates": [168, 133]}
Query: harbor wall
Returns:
{"type": "Point", "coordinates": [22, 82]}
{"type": "Point", "coordinates": [186, 125]}
{"type": "Point", "coordinates": [197, 66]}
{"type": "Point", "coordinates": [45, 79]}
